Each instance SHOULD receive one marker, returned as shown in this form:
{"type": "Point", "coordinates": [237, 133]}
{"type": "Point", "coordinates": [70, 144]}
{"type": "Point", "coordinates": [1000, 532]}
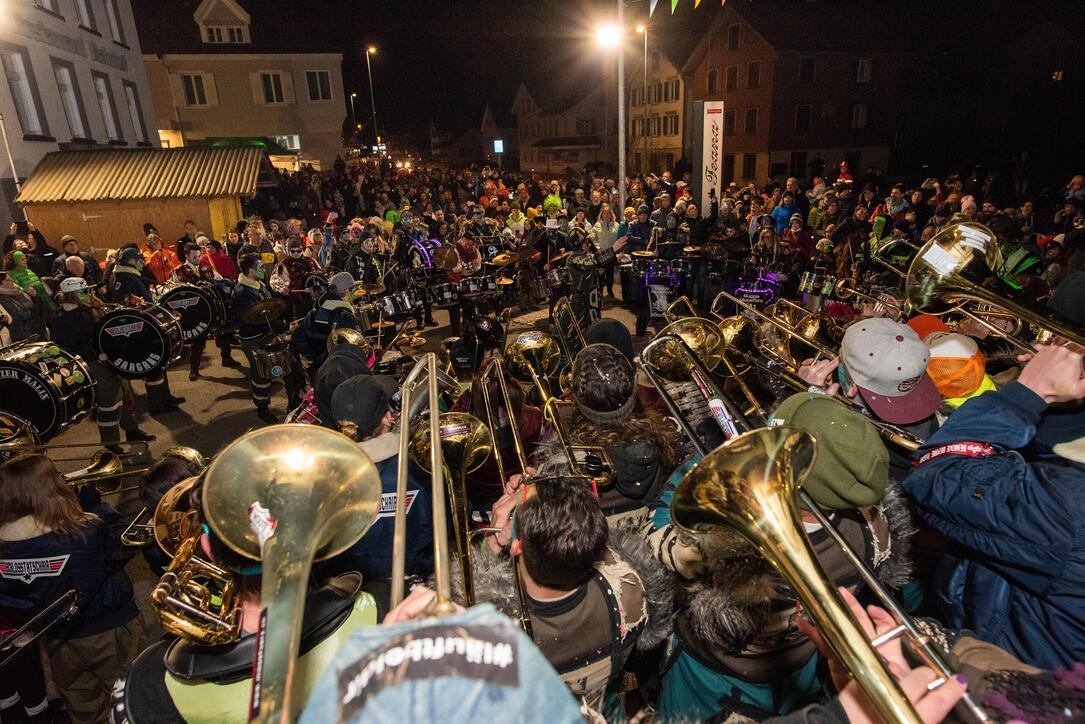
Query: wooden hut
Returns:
{"type": "Point", "coordinates": [104, 197]}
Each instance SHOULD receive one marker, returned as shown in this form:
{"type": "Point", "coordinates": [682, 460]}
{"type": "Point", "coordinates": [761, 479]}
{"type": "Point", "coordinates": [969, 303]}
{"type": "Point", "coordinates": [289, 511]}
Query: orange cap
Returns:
{"type": "Point", "coordinates": [926, 324]}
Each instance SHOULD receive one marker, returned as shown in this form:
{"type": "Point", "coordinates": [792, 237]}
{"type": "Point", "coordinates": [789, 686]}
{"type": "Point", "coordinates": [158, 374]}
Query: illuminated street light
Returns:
{"type": "Point", "coordinates": [372, 50]}
{"type": "Point", "coordinates": [608, 35]}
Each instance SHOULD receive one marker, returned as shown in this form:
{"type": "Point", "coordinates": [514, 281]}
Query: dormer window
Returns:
{"type": "Point", "coordinates": [223, 22]}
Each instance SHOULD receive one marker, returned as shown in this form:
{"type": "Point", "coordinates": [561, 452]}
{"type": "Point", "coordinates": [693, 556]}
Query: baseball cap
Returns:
{"type": "Point", "coordinates": [73, 284]}
{"type": "Point", "coordinates": [851, 468]}
{"type": "Point", "coordinates": [925, 325]}
{"type": "Point", "coordinates": [341, 283]}
{"type": "Point", "coordinates": [888, 363]}
{"type": "Point", "coordinates": [957, 365]}
{"type": "Point", "coordinates": [129, 254]}
{"type": "Point", "coordinates": [363, 400]}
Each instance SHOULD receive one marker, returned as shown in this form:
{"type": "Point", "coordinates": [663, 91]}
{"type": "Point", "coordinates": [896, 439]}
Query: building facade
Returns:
{"type": "Point", "coordinates": [655, 114]}
{"type": "Point", "coordinates": [571, 133]}
{"type": "Point", "coordinates": [74, 79]}
{"type": "Point", "coordinates": [222, 76]}
{"type": "Point", "coordinates": [801, 90]}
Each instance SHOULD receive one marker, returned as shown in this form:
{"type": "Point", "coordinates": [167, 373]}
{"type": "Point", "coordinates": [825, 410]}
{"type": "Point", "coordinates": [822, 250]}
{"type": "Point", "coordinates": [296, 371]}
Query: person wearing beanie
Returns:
{"type": "Point", "coordinates": [799, 239]}
{"type": "Point", "coordinates": [70, 246]}
{"type": "Point", "coordinates": [195, 270]}
{"type": "Point", "coordinates": [72, 329]}
{"type": "Point", "coordinates": [1014, 511]}
{"type": "Point", "coordinates": [334, 311]}
{"type": "Point", "coordinates": [607, 414]}
{"type": "Point", "coordinates": [362, 409]}
{"type": "Point", "coordinates": [29, 282]}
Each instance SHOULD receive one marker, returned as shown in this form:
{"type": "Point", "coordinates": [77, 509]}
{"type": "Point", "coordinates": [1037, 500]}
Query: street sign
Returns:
{"type": "Point", "coordinates": [499, 146]}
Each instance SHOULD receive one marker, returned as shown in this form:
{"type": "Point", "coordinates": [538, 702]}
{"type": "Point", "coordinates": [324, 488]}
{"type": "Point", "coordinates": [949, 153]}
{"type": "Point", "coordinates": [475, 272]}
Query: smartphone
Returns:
{"type": "Point", "coordinates": [22, 227]}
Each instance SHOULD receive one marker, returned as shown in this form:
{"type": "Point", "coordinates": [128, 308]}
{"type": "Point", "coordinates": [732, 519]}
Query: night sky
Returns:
{"type": "Point", "coordinates": [446, 59]}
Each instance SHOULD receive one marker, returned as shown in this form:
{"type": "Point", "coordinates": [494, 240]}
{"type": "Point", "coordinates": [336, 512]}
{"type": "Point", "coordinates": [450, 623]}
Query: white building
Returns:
{"type": "Point", "coordinates": [219, 75]}
{"type": "Point", "coordinates": [73, 79]}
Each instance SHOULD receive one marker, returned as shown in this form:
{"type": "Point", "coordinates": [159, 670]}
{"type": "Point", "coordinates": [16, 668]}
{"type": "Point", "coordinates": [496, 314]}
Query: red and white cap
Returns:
{"type": "Point", "coordinates": [888, 363]}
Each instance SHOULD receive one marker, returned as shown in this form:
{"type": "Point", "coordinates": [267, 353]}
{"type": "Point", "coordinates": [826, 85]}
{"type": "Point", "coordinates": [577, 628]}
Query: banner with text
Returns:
{"type": "Point", "coordinates": [711, 166]}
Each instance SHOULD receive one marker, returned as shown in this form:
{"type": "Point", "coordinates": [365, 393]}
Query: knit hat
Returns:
{"type": "Point", "coordinates": [851, 466]}
{"type": "Point", "coordinates": [604, 383]}
{"type": "Point", "coordinates": [888, 363]}
{"type": "Point", "coordinates": [363, 400]}
{"type": "Point", "coordinates": [796, 217]}
{"type": "Point", "coordinates": [128, 255]}
{"type": "Point", "coordinates": [957, 365]}
{"type": "Point", "coordinates": [149, 228]}
{"type": "Point", "coordinates": [342, 363]}
{"type": "Point", "coordinates": [610, 331]}
{"type": "Point", "coordinates": [643, 209]}
{"type": "Point", "coordinates": [66, 238]}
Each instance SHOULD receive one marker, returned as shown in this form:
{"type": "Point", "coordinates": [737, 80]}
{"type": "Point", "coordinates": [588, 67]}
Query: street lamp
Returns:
{"type": "Point", "coordinates": [611, 36]}
{"type": "Point", "coordinates": [371, 50]}
{"type": "Point", "coordinates": [644, 97]}
{"type": "Point", "coordinates": [353, 116]}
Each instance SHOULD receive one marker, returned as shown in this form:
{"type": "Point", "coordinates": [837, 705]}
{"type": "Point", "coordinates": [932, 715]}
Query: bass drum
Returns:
{"type": "Point", "coordinates": [199, 308]}
{"type": "Point", "coordinates": [138, 342]}
{"type": "Point", "coordinates": [46, 386]}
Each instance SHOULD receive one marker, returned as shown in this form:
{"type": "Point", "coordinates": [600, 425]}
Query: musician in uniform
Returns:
{"type": "Point", "coordinates": [72, 328]}
{"type": "Point", "coordinates": [196, 269]}
{"type": "Point", "coordinates": [52, 541]}
{"type": "Point", "coordinates": [297, 267]}
{"type": "Point", "coordinates": [415, 268]}
{"type": "Point", "coordinates": [594, 594]}
{"type": "Point", "coordinates": [128, 285]}
{"type": "Point", "coordinates": [736, 645]}
{"type": "Point", "coordinates": [363, 263]}
{"type": "Point", "coordinates": [334, 312]}
{"type": "Point", "coordinates": [640, 236]}
{"type": "Point", "coordinates": [468, 262]}
{"type": "Point", "coordinates": [251, 290]}
{"type": "Point", "coordinates": [177, 680]}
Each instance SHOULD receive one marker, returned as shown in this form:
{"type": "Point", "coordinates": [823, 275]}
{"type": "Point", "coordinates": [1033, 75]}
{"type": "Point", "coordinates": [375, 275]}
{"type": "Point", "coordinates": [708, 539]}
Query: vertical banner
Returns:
{"type": "Point", "coordinates": [709, 161]}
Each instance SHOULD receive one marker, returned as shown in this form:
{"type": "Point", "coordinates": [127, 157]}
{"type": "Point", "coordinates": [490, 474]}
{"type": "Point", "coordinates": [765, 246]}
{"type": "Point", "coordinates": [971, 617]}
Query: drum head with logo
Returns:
{"type": "Point", "coordinates": [44, 385]}
{"type": "Point", "coordinates": [135, 343]}
{"type": "Point", "coordinates": [197, 309]}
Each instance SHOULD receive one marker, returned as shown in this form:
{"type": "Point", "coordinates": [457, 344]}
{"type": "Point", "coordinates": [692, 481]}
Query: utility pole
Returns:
{"type": "Point", "coordinates": [621, 104]}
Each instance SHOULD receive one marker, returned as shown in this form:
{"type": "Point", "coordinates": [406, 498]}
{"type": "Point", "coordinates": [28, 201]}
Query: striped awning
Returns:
{"type": "Point", "coordinates": [145, 173]}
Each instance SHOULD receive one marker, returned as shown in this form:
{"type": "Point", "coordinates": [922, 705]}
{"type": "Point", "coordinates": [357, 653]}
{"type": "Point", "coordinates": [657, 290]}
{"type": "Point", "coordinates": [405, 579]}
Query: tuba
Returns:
{"type": "Point", "coordinates": [286, 495]}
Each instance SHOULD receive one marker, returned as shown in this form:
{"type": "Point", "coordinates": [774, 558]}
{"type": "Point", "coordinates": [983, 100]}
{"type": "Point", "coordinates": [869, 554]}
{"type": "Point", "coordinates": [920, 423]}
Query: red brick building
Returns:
{"type": "Point", "coordinates": [800, 80]}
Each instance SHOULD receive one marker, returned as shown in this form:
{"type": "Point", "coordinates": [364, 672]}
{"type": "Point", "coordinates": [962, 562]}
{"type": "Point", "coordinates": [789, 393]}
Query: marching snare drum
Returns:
{"type": "Point", "coordinates": [46, 386]}
{"type": "Point", "coordinates": [273, 361]}
{"type": "Point", "coordinates": [198, 306]}
{"type": "Point", "coordinates": [558, 277]}
{"type": "Point", "coordinates": [642, 262]}
{"type": "Point", "coordinates": [407, 301]}
{"type": "Point", "coordinates": [471, 285]}
{"type": "Point", "coordinates": [444, 295]}
{"type": "Point", "coordinates": [138, 342]}
{"type": "Point", "coordinates": [539, 292]}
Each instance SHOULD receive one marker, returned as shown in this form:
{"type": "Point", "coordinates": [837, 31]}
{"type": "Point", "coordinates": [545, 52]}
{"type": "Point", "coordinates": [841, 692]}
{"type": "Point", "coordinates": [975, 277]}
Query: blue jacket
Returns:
{"type": "Point", "coordinates": [372, 554]}
{"type": "Point", "coordinates": [35, 571]}
{"type": "Point", "coordinates": [1017, 574]}
{"type": "Point", "coordinates": [781, 217]}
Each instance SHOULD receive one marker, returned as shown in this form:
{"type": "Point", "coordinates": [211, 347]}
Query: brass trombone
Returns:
{"type": "Point", "coordinates": [570, 335]}
{"type": "Point", "coordinates": [955, 269]}
{"type": "Point", "coordinates": [749, 484]}
{"type": "Point", "coordinates": [63, 608]}
{"type": "Point", "coordinates": [140, 533]}
{"type": "Point", "coordinates": [843, 291]}
{"type": "Point", "coordinates": [671, 312]}
{"type": "Point", "coordinates": [879, 254]}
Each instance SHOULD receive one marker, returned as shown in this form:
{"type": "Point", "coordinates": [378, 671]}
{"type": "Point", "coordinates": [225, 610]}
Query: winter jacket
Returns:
{"type": "Point", "coordinates": [128, 282]}
{"type": "Point", "coordinates": [311, 336]}
{"type": "Point", "coordinates": [1017, 517]}
{"type": "Point", "coordinates": [372, 554]}
{"type": "Point", "coordinates": [37, 568]}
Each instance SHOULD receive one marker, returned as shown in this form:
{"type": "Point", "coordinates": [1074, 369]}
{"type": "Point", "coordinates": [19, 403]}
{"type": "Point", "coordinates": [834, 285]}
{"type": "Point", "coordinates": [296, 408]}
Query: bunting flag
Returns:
{"type": "Point", "coordinates": [696, 3]}
{"type": "Point", "coordinates": [674, 4]}
{"type": "Point", "coordinates": [652, 6]}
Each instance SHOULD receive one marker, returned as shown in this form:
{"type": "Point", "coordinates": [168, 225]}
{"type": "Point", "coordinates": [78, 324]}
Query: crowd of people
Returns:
{"type": "Point", "coordinates": [949, 450]}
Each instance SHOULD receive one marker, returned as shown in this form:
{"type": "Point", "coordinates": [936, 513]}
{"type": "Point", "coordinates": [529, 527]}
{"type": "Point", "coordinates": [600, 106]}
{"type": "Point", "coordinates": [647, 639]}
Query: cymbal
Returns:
{"type": "Point", "coordinates": [446, 258]}
{"type": "Point", "coordinates": [411, 340]}
{"type": "Point", "coordinates": [505, 281]}
{"type": "Point", "coordinates": [502, 259]}
{"type": "Point", "coordinates": [691, 249]}
{"type": "Point", "coordinates": [372, 287]}
{"type": "Point", "coordinates": [381, 325]}
{"type": "Point", "coordinates": [265, 311]}
{"type": "Point", "coordinates": [560, 256]}
{"type": "Point", "coordinates": [644, 253]}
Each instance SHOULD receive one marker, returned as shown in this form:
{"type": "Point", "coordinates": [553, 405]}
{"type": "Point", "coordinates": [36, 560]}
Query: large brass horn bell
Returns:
{"type": "Point", "coordinates": [700, 335]}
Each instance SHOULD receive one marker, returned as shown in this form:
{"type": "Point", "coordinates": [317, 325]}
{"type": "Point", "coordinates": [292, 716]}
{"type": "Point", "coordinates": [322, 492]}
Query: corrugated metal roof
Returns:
{"type": "Point", "coordinates": [146, 173]}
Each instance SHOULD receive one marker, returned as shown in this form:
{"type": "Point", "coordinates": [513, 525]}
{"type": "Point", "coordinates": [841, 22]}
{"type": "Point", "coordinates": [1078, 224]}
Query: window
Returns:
{"type": "Point", "coordinates": [863, 69]}
{"type": "Point", "coordinates": [585, 126]}
{"type": "Point", "coordinates": [713, 81]}
{"type": "Point", "coordinates": [858, 115]}
{"type": "Point", "coordinates": [728, 123]}
{"type": "Point", "coordinates": [751, 121]}
{"type": "Point", "coordinates": [214, 34]}
{"type": "Point", "coordinates": [802, 118]}
{"type": "Point", "coordinates": [24, 90]}
{"type": "Point", "coordinates": [320, 85]}
{"type": "Point", "coordinates": [104, 92]}
{"type": "Point", "coordinates": [676, 89]}
{"type": "Point", "coordinates": [135, 111]}
{"type": "Point", "coordinates": [70, 98]}
{"type": "Point", "coordinates": [657, 91]}
{"type": "Point", "coordinates": [732, 78]}
{"type": "Point", "coordinates": [49, 5]}
{"type": "Point", "coordinates": [807, 65]}
{"type": "Point", "coordinates": [749, 165]}
{"type": "Point", "coordinates": [670, 124]}
{"type": "Point", "coordinates": [195, 89]}
{"type": "Point", "coordinates": [753, 74]}
{"type": "Point", "coordinates": [113, 14]}
{"type": "Point", "coordinates": [732, 36]}
{"type": "Point", "coordinates": [225, 34]}
{"type": "Point", "coordinates": [236, 34]}
{"type": "Point", "coordinates": [273, 87]}
{"type": "Point", "coordinates": [290, 143]}
{"type": "Point", "coordinates": [1056, 75]}
{"type": "Point", "coordinates": [86, 14]}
